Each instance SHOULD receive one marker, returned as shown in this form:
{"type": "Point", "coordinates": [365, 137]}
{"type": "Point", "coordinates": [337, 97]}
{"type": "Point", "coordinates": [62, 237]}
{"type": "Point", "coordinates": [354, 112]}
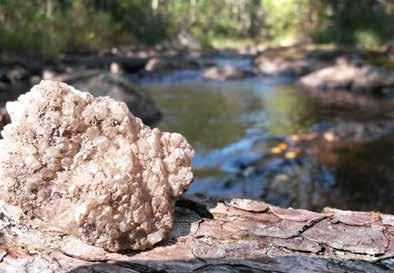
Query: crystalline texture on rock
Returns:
{"type": "Point", "coordinates": [88, 167]}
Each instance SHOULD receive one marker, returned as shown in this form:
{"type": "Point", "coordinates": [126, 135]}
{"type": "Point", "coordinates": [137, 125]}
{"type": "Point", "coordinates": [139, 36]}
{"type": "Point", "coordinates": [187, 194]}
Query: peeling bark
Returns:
{"type": "Point", "coordinates": [209, 236]}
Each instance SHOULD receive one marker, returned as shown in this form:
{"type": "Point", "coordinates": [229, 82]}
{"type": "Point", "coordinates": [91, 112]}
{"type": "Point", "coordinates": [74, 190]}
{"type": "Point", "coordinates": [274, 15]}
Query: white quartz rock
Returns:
{"type": "Point", "coordinates": [88, 167]}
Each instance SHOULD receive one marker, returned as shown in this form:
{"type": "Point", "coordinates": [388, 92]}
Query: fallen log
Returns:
{"type": "Point", "coordinates": [216, 236]}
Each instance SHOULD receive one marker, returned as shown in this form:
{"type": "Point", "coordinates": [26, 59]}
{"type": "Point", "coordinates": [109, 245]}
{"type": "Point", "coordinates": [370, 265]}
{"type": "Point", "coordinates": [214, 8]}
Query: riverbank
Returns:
{"type": "Point", "coordinates": [316, 67]}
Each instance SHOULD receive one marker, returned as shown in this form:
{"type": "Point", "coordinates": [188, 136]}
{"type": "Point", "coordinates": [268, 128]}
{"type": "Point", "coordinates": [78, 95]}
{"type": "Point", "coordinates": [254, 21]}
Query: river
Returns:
{"type": "Point", "coordinates": [235, 126]}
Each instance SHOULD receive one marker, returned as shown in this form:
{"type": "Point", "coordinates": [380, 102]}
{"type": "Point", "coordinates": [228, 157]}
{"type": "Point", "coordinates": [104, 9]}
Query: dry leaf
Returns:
{"type": "Point", "coordinates": [329, 136]}
{"type": "Point", "coordinates": [276, 150]}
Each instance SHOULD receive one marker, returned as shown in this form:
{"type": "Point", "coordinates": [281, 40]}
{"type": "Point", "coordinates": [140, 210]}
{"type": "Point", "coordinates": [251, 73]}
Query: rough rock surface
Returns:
{"type": "Point", "coordinates": [87, 167]}
{"type": "Point", "coordinates": [232, 236]}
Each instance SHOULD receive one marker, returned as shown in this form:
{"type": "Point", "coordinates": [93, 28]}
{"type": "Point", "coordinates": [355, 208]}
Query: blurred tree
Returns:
{"type": "Point", "coordinates": [363, 22]}
{"type": "Point", "coordinates": [52, 26]}
{"type": "Point", "coordinates": [256, 20]}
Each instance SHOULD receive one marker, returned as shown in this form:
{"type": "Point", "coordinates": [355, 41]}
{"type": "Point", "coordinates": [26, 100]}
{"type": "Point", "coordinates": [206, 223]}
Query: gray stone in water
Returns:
{"type": "Point", "coordinates": [119, 88]}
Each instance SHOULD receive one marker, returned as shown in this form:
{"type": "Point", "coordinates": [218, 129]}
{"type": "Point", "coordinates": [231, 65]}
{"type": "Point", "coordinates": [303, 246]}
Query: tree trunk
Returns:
{"type": "Point", "coordinates": [232, 236]}
{"type": "Point", "coordinates": [49, 8]}
{"type": "Point", "coordinates": [255, 19]}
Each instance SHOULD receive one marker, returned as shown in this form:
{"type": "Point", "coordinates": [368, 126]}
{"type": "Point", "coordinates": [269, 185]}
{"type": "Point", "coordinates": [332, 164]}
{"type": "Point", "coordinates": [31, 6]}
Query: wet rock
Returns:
{"type": "Point", "coordinates": [347, 76]}
{"type": "Point", "coordinates": [365, 104]}
{"type": "Point", "coordinates": [88, 167]}
{"type": "Point", "coordinates": [267, 65]}
{"type": "Point", "coordinates": [346, 134]}
{"type": "Point", "coordinates": [227, 73]}
{"type": "Point", "coordinates": [169, 64]}
{"type": "Point", "coordinates": [292, 61]}
{"type": "Point", "coordinates": [130, 64]}
{"type": "Point", "coordinates": [302, 59]}
{"type": "Point", "coordinates": [13, 74]}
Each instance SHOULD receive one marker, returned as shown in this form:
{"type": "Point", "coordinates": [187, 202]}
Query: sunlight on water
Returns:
{"type": "Point", "coordinates": [233, 126]}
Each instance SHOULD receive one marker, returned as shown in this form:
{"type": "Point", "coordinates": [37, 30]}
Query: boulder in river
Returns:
{"type": "Point", "coordinates": [300, 60]}
{"type": "Point", "coordinates": [275, 66]}
{"type": "Point", "coordinates": [227, 73]}
{"type": "Point", "coordinates": [166, 64]}
{"type": "Point", "coordinates": [87, 167]}
{"type": "Point", "coordinates": [357, 78]}
{"type": "Point", "coordinates": [291, 61]}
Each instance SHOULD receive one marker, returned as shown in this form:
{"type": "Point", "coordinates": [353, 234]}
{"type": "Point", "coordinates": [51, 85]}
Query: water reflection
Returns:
{"type": "Point", "coordinates": [365, 176]}
{"type": "Point", "coordinates": [210, 114]}
{"type": "Point", "coordinates": [233, 126]}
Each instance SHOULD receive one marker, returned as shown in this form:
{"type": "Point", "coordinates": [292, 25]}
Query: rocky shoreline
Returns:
{"type": "Point", "coordinates": [354, 70]}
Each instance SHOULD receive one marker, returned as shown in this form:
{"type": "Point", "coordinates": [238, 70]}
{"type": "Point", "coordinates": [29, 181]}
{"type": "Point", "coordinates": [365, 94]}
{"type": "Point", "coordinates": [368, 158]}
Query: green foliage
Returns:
{"type": "Point", "coordinates": [284, 19]}
{"type": "Point", "coordinates": [206, 19]}
{"type": "Point", "coordinates": [30, 30]}
{"type": "Point", "coordinates": [25, 28]}
{"type": "Point", "coordinates": [140, 19]}
{"type": "Point", "coordinates": [363, 22]}
{"type": "Point", "coordinates": [85, 29]}
{"type": "Point", "coordinates": [367, 38]}
{"type": "Point", "coordinates": [51, 27]}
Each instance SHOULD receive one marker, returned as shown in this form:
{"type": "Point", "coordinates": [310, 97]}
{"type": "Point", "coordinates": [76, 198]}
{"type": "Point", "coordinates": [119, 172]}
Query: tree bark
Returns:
{"type": "Point", "coordinates": [226, 236]}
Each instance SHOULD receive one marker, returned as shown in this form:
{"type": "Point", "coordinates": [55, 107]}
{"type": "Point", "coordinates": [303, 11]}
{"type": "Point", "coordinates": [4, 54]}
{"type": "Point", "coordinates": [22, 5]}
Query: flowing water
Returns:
{"type": "Point", "coordinates": [233, 126]}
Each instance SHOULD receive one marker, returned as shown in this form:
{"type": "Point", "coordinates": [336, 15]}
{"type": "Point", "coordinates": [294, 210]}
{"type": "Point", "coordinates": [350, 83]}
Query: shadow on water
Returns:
{"type": "Point", "coordinates": [234, 124]}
